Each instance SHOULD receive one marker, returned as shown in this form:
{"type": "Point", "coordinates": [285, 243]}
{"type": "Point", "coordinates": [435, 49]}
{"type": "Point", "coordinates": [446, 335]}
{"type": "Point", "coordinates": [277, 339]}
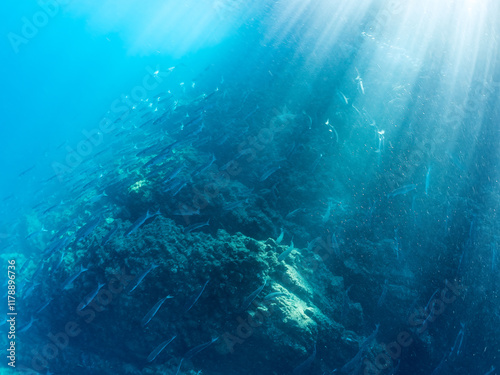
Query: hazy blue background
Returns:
{"type": "Point", "coordinates": [66, 77]}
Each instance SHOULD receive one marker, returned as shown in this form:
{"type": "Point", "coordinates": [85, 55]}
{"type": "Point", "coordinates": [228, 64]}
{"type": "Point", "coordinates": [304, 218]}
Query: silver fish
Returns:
{"type": "Point", "coordinates": [191, 353]}
{"type": "Point", "coordinates": [251, 297]}
{"type": "Point", "coordinates": [27, 326]}
{"type": "Point", "coordinates": [427, 180]}
{"type": "Point", "coordinates": [90, 297]}
{"type": "Point", "coordinates": [135, 283]}
{"type": "Point", "coordinates": [158, 349]}
{"type": "Point", "coordinates": [139, 222]}
{"type": "Point", "coordinates": [268, 173]}
{"type": "Point", "coordinates": [70, 279]}
{"type": "Point", "coordinates": [190, 304]}
{"type": "Point", "coordinates": [280, 237]}
{"type": "Point", "coordinates": [196, 226]}
{"type": "Point", "coordinates": [151, 313]}
{"type": "Point", "coordinates": [285, 253]}
{"type": "Point", "coordinates": [274, 295]}
{"type": "Point", "coordinates": [402, 190]}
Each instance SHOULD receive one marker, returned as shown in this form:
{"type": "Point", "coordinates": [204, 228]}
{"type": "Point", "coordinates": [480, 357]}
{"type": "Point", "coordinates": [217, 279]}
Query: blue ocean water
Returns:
{"type": "Point", "coordinates": [269, 187]}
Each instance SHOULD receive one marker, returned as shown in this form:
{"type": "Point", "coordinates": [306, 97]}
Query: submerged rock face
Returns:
{"type": "Point", "coordinates": [278, 331]}
{"type": "Point", "coordinates": [235, 266]}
